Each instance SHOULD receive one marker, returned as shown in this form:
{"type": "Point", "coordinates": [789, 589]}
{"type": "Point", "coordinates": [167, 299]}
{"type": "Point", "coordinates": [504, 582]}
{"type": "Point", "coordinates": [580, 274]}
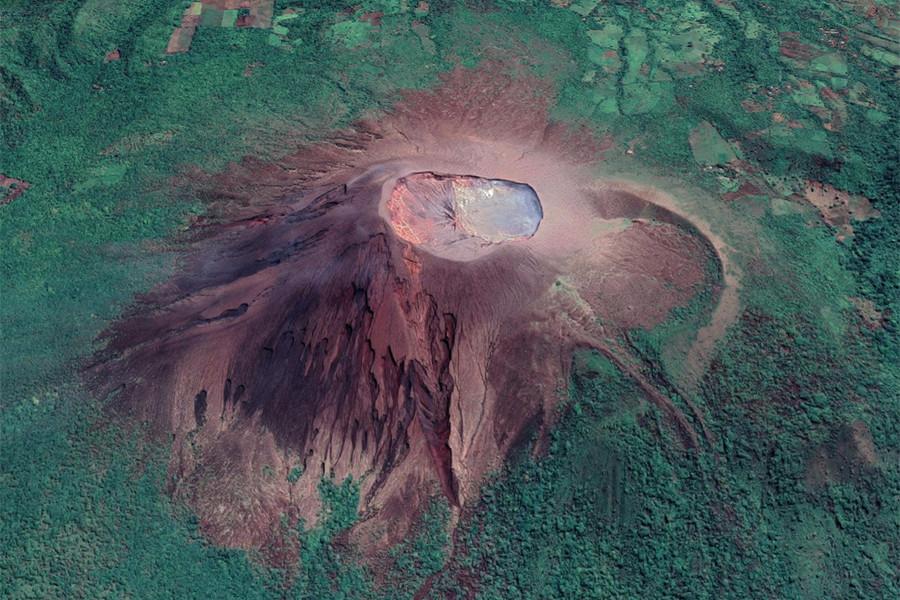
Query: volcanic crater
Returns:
{"type": "Point", "coordinates": [462, 216]}
{"type": "Point", "coordinates": [364, 308]}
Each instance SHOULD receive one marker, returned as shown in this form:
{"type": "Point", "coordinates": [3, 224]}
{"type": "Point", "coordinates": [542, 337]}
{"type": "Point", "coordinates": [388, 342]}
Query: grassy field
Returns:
{"type": "Point", "coordinates": [795, 493]}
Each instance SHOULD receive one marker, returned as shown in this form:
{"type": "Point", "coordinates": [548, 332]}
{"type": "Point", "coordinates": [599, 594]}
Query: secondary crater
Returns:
{"type": "Point", "coordinates": [462, 217]}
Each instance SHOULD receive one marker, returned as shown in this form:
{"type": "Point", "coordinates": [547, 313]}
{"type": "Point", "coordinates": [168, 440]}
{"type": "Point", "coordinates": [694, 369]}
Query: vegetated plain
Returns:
{"type": "Point", "coordinates": [793, 495]}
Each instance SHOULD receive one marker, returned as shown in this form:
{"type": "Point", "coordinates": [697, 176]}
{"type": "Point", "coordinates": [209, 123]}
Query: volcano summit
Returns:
{"type": "Point", "coordinates": [460, 217]}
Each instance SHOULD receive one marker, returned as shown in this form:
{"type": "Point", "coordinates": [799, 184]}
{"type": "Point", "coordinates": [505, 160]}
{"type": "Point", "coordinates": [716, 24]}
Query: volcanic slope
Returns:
{"type": "Point", "coordinates": [310, 335]}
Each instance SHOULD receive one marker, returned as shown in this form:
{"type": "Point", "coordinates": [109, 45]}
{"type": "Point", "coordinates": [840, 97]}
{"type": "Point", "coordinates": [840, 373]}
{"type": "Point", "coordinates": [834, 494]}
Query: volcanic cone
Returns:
{"type": "Point", "coordinates": [398, 305]}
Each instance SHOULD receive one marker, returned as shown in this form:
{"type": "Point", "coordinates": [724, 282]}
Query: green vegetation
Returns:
{"type": "Point", "coordinates": [324, 570]}
{"type": "Point", "coordinates": [95, 518]}
{"type": "Point", "coordinates": [423, 554]}
{"type": "Point", "coordinates": [613, 507]}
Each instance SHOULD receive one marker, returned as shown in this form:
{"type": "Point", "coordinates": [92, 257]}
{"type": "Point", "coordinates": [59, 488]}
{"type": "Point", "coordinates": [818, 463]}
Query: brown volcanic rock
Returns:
{"type": "Point", "coordinates": [307, 330]}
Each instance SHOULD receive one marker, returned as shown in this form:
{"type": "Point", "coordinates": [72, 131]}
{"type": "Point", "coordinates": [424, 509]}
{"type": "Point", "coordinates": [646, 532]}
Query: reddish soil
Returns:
{"type": "Point", "coordinates": [305, 332]}
{"type": "Point", "coordinates": [180, 40]}
{"type": "Point", "coordinates": [11, 188]}
{"type": "Point", "coordinates": [747, 188]}
{"type": "Point", "coordinates": [792, 47]}
{"type": "Point", "coordinates": [752, 106]}
{"type": "Point", "coordinates": [251, 68]}
{"type": "Point", "coordinates": [374, 18]}
{"type": "Point", "coordinates": [839, 209]}
{"type": "Point", "coordinates": [868, 311]}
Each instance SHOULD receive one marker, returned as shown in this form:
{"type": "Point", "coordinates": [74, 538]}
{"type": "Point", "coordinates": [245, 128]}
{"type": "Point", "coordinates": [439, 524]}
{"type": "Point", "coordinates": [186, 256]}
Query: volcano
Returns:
{"type": "Point", "coordinates": [398, 304]}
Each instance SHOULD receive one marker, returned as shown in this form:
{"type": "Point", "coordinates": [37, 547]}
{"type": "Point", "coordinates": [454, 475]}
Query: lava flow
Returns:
{"type": "Point", "coordinates": [398, 305]}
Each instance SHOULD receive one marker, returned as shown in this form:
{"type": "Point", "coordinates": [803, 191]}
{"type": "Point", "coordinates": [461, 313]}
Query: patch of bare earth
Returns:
{"type": "Point", "coordinates": [868, 311]}
{"type": "Point", "coordinates": [838, 208]}
{"type": "Point", "coordinates": [11, 188]}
